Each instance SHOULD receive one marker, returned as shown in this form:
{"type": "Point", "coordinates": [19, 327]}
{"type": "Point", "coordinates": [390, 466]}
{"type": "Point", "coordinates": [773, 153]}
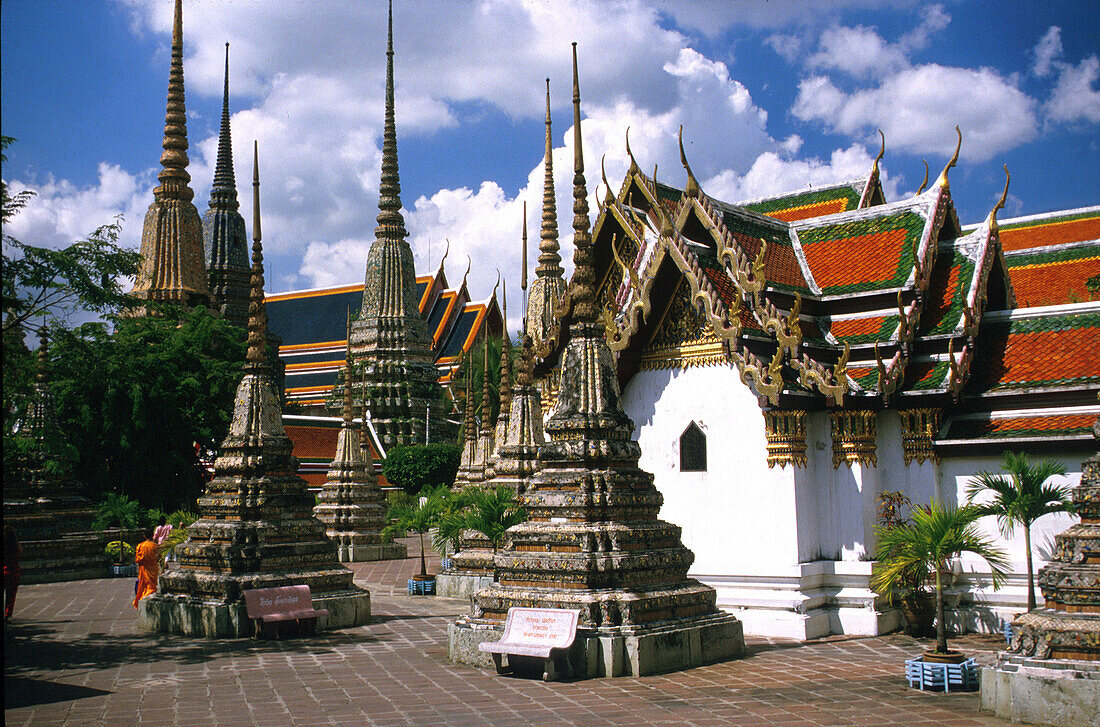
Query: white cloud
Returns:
{"type": "Point", "coordinates": [918, 107]}
{"type": "Point", "coordinates": [1046, 51]}
{"type": "Point", "coordinates": [861, 52]}
{"type": "Point", "coordinates": [1075, 96]}
{"type": "Point", "coordinates": [787, 46]}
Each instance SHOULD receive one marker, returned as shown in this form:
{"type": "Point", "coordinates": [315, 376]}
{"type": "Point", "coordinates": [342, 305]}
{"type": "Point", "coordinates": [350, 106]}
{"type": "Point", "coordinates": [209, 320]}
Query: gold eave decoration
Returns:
{"type": "Point", "coordinates": [707, 351]}
{"type": "Point", "coordinates": [786, 434]}
{"type": "Point", "coordinates": [918, 431]}
{"type": "Point", "coordinates": [853, 437]}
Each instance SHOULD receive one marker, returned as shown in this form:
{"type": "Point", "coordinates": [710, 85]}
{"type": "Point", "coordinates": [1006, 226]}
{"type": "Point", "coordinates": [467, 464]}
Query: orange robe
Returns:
{"type": "Point", "coordinates": [148, 570]}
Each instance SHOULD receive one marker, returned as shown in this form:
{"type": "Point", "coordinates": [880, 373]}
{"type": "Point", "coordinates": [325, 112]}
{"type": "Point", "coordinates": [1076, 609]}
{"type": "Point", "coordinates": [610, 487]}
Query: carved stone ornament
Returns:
{"type": "Point", "coordinates": [918, 430]}
{"type": "Point", "coordinates": [786, 432]}
{"type": "Point", "coordinates": [853, 437]}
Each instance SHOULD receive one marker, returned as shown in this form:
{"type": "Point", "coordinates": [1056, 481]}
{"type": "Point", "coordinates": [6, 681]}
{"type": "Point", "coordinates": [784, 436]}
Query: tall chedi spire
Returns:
{"type": "Point", "coordinates": [593, 541]}
{"type": "Point", "coordinates": [256, 528]}
{"type": "Point", "coordinates": [390, 344]}
{"type": "Point", "coordinates": [225, 242]}
{"type": "Point", "coordinates": [351, 504]}
{"type": "Point", "coordinates": [500, 428]}
{"type": "Point", "coordinates": [172, 267]}
{"type": "Point", "coordinates": [549, 285]}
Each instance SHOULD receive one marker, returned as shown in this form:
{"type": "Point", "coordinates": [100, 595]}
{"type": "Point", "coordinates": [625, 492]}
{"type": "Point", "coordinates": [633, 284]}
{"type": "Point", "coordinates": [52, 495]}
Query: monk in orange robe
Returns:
{"type": "Point", "coordinates": [148, 560]}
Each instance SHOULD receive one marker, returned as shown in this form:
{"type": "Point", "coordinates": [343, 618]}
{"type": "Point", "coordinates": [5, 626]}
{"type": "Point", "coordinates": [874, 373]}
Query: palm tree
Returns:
{"type": "Point", "coordinates": [418, 515]}
{"type": "Point", "coordinates": [1020, 496]}
{"type": "Point", "coordinates": [933, 536]}
{"type": "Point", "coordinates": [491, 512]}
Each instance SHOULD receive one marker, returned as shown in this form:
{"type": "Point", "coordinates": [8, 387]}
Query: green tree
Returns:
{"type": "Point", "coordinates": [416, 467]}
{"type": "Point", "coordinates": [419, 516]}
{"type": "Point", "coordinates": [142, 402]}
{"type": "Point", "coordinates": [926, 544]}
{"type": "Point", "coordinates": [1020, 496]}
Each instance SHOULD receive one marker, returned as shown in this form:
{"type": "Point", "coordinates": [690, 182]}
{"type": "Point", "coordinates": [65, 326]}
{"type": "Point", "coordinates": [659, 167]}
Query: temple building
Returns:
{"type": "Point", "coordinates": [173, 267]}
{"type": "Point", "coordinates": [788, 359]}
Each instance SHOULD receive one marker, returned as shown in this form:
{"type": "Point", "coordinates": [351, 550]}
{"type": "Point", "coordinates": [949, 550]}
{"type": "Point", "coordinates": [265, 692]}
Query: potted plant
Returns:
{"type": "Point", "coordinates": [916, 601]}
{"type": "Point", "coordinates": [925, 546]}
{"type": "Point", "coordinates": [1020, 496]}
{"type": "Point", "coordinates": [119, 511]}
{"type": "Point", "coordinates": [449, 526]}
{"type": "Point", "coordinates": [418, 516]}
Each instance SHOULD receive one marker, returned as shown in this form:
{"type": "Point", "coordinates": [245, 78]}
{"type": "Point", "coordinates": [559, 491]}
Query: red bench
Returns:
{"type": "Point", "coordinates": [268, 607]}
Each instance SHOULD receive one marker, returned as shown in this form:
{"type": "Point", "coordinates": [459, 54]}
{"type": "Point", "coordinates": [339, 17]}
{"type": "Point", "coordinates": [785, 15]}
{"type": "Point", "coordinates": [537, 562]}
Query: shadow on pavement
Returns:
{"type": "Point", "coordinates": [24, 692]}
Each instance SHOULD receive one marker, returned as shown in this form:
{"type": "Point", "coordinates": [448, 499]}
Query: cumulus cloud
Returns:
{"type": "Point", "coordinates": [861, 52]}
{"type": "Point", "coordinates": [1046, 51]}
{"type": "Point", "coordinates": [1074, 96]}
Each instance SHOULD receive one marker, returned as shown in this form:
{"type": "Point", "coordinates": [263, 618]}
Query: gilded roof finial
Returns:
{"type": "Point", "coordinates": [446, 252]}
{"type": "Point", "coordinates": [257, 311]}
{"type": "Point", "coordinates": [391, 225]}
{"type": "Point", "coordinates": [881, 153]}
{"type": "Point", "coordinates": [174, 178]}
{"type": "Point", "coordinates": [923, 182]}
{"type": "Point", "coordinates": [691, 188]}
{"type": "Point", "coordinates": [549, 259]}
{"type": "Point", "coordinates": [469, 264]}
{"type": "Point", "coordinates": [610, 197]}
{"type": "Point", "coordinates": [1001, 202]}
{"type": "Point", "coordinates": [942, 181]}
{"type": "Point", "coordinates": [634, 168]}
{"type": "Point", "coordinates": [584, 274]}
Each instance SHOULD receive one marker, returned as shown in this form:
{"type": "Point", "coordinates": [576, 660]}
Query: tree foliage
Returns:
{"type": "Point", "coordinates": [142, 403]}
{"type": "Point", "coordinates": [1020, 496]}
{"type": "Point", "coordinates": [417, 467]}
{"type": "Point", "coordinates": [418, 515]}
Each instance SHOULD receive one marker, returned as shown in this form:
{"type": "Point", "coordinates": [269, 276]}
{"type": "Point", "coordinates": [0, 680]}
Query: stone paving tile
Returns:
{"type": "Point", "coordinates": [72, 656]}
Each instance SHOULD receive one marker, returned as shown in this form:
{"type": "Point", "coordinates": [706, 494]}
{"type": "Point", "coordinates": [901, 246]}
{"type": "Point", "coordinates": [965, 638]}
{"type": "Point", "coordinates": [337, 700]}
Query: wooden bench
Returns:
{"type": "Point", "coordinates": [268, 607]}
{"type": "Point", "coordinates": [534, 633]}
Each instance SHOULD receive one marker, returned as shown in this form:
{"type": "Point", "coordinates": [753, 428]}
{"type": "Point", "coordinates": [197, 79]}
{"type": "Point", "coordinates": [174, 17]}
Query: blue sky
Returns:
{"type": "Point", "coordinates": [773, 97]}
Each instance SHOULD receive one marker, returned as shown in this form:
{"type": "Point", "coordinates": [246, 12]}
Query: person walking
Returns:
{"type": "Point", "coordinates": [147, 557]}
{"type": "Point", "coordinates": [12, 551]}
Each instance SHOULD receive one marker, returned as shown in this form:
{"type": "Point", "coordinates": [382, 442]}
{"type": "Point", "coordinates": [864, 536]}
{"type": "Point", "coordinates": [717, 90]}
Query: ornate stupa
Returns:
{"type": "Point", "coordinates": [593, 542]}
{"type": "Point", "coordinates": [390, 346]}
{"type": "Point", "coordinates": [256, 528]}
{"type": "Point", "coordinates": [51, 517]}
{"type": "Point", "coordinates": [172, 267]}
{"type": "Point", "coordinates": [549, 284]}
{"type": "Point", "coordinates": [351, 504]}
{"type": "Point", "coordinates": [500, 428]}
{"type": "Point", "coordinates": [468, 472]}
{"type": "Point", "coordinates": [225, 242]}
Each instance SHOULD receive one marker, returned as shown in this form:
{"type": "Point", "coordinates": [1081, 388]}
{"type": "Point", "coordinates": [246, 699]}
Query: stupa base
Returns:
{"type": "Point", "coordinates": [621, 651]}
{"type": "Point", "coordinates": [1061, 692]}
{"type": "Point", "coordinates": [190, 616]}
{"type": "Point", "coordinates": [461, 585]}
{"type": "Point", "coordinates": [376, 551]}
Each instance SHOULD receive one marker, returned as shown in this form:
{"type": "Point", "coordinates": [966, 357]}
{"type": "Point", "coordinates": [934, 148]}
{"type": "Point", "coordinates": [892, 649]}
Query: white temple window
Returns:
{"type": "Point", "coordinates": [693, 449]}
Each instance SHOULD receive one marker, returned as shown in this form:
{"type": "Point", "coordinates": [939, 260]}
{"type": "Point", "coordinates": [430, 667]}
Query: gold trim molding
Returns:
{"type": "Point", "coordinates": [786, 433]}
{"type": "Point", "coordinates": [918, 430]}
{"type": "Point", "coordinates": [706, 351]}
{"type": "Point", "coordinates": [853, 437]}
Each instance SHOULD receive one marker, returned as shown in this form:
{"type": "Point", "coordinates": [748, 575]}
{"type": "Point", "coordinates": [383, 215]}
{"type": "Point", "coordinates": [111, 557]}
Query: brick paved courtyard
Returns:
{"type": "Point", "coordinates": [72, 656]}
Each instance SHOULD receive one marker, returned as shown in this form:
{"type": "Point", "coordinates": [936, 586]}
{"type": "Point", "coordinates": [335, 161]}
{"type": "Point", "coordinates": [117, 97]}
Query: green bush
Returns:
{"type": "Point", "coordinates": [118, 511]}
{"type": "Point", "coordinates": [418, 467]}
{"type": "Point", "coordinates": [119, 551]}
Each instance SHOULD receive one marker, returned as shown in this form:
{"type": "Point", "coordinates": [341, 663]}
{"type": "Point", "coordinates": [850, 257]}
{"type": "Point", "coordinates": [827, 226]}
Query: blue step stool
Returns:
{"type": "Point", "coordinates": [931, 676]}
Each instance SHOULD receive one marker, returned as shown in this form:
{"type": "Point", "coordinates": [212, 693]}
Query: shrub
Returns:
{"type": "Point", "coordinates": [418, 467]}
{"type": "Point", "coordinates": [119, 551]}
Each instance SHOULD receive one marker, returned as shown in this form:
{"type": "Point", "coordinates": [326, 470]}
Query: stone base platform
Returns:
{"type": "Point", "coordinates": [65, 557]}
{"type": "Point", "coordinates": [190, 616]}
{"type": "Point", "coordinates": [1059, 692]}
{"type": "Point", "coordinates": [618, 651]}
{"type": "Point", "coordinates": [367, 553]}
{"type": "Point", "coordinates": [460, 585]}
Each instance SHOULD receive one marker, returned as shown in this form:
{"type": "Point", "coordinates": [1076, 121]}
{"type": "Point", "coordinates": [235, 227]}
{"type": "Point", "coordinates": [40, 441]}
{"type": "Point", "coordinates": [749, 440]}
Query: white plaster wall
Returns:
{"type": "Point", "coordinates": [738, 517]}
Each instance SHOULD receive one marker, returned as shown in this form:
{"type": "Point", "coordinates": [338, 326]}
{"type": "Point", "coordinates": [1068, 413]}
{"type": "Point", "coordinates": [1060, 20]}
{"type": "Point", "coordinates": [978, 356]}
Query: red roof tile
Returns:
{"type": "Point", "coordinates": [1055, 232]}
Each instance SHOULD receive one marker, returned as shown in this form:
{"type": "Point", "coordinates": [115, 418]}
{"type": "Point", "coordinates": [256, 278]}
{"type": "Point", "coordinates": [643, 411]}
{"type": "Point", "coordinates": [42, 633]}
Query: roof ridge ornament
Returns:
{"type": "Point", "coordinates": [942, 180]}
{"type": "Point", "coordinates": [446, 251]}
{"type": "Point", "coordinates": [1000, 203]}
{"type": "Point", "coordinates": [924, 182]}
{"type": "Point", "coordinates": [881, 153]}
{"type": "Point", "coordinates": [469, 264]}
{"type": "Point", "coordinates": [634, 168]}
{"type": "Point", "coordinates": [691, 188]}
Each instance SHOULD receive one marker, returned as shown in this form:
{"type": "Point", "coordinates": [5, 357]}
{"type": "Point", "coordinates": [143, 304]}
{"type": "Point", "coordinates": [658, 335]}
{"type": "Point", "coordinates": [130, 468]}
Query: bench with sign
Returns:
{"type": "Point", "coordinates": [534, 633]}
{"type": "Point", "coordinates": [269, 607]}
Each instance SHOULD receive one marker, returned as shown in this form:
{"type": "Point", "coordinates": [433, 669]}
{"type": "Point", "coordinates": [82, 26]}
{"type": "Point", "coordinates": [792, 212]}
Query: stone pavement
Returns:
{"type": "Point", "coordinates": [73, 657]}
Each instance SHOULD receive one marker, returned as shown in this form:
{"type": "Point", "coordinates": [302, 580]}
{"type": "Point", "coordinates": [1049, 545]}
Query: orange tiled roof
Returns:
{"type": "Point", "coordinates": [864, 330]}
{"type": "Point", "coordinates": [313, 442]}
{"type": "Point", "coordinates": [865, 254]}
{"type": "Point", "coordinates": [1055, 277]}
{"type": "Point", "coordinates": [946, 294]}
{"type": "Point", "coordinates": [1052, 231]}
{"type": "Point", "coordinates": [1022, 426]}
{"type": "Point", "coordinates": [1038, 352]}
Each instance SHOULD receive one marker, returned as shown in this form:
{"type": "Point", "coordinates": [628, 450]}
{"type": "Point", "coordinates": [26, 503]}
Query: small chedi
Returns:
{"type": "Point", "coordinates": [1050, 673]}
{"type": "Point", "coordinates": [51, 518]}
{"type": "Point", "coordinates": [256, 528]}
{"type": "Point", "coordinates": [351, 504]}
{"type": "Point", "coordinates": [593, 541]}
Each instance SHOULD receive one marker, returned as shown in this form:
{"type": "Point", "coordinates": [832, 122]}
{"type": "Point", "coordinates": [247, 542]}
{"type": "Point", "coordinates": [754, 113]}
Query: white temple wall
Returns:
{"type": "Point", "coordinates": [739, 516]}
